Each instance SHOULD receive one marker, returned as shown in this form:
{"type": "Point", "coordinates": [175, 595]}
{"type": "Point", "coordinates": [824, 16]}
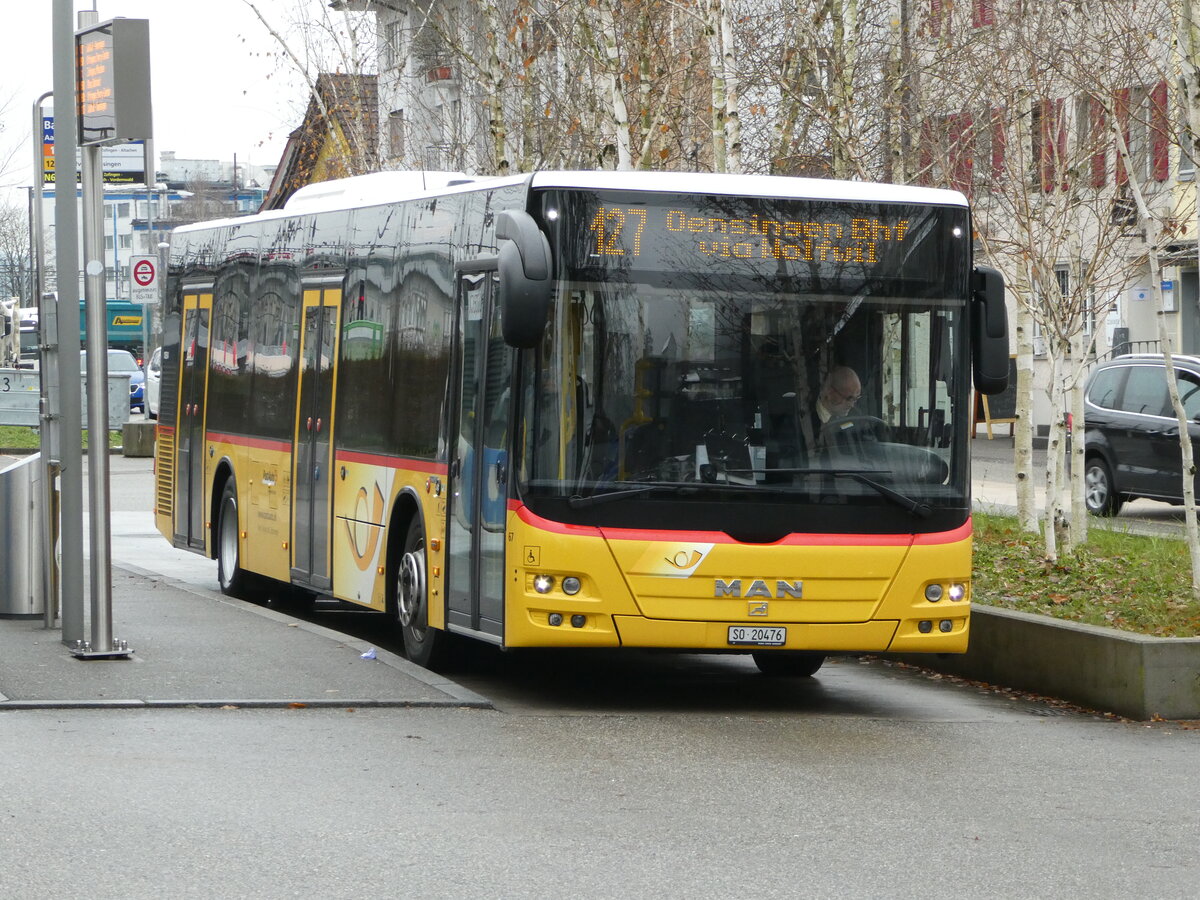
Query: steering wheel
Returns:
{"type": "Point", "coordinates": [851, 436]}
{"type": "Point", "coordinates": [849, 426]}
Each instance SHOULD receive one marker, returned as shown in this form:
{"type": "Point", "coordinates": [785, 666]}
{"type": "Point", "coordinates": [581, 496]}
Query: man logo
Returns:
{"type": "Point", "coordinates": [757, 609]}
{"type": "Point", "coordinates": [758, 588]}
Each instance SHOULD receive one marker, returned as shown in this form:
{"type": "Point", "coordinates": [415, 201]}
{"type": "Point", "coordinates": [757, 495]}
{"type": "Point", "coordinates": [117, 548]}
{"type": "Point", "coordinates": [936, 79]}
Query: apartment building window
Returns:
{"type": "Point", "coordinates": [393, 51]}
{"type": "Point", "coordinates": [1086, 293]}
{"type": "Point", "coordinates": [396, 133]}
{"type": "Point", "coordinates": [1187, 152]}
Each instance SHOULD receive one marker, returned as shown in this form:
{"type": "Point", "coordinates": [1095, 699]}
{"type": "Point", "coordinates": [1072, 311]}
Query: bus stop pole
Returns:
{"type": "Point", "coordinates": [101, 645]}
{"type": "Point", "coordinates": [48, 420]}
{"type": "Point", "coordinates": [66, 245]}
{"type": "Point", "coordinates": [97, 402]}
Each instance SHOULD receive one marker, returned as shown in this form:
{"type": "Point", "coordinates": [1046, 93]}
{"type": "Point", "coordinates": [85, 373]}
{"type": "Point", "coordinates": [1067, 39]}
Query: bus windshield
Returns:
{"type": "Point", "coordinates": [807, 381]}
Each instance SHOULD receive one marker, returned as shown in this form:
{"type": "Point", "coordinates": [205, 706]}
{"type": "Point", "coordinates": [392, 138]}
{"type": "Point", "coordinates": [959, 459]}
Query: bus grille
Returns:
{"type": "Point", "coordinates": [164, 469]}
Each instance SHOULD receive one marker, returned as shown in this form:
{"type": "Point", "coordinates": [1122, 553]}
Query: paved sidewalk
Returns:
{"type": "Point", "coordinates": [190, 648]}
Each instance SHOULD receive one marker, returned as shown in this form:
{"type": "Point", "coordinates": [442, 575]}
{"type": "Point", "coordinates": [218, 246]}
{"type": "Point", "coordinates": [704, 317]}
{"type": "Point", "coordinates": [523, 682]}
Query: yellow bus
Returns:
{"type": "Point", "coordinates": [589, 409]}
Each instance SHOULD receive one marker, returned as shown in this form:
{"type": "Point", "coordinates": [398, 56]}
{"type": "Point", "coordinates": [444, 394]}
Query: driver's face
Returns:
{"type": "Point", "coordinates": [842, 396]}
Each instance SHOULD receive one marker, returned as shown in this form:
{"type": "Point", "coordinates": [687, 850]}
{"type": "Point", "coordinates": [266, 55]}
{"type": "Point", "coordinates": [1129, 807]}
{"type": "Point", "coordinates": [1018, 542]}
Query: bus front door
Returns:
{"type": "Point", "coordinates": [312, 514]}
{"type": "Point", "coordinates": [191, 499]}
{"type": "Point", "coordinates": [479, 462]}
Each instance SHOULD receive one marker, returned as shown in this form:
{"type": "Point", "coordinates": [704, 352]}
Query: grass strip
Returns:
{"type": "Point", "coordinates": [1127, 581]}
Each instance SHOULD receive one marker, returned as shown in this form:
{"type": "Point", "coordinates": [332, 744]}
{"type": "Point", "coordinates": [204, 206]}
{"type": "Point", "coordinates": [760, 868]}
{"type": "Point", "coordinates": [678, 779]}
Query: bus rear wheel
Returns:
{"type": "Point", "coordinates": [794, 663]}
{"type": "Point", "coordinates": [230, 574]}
{"type": "Point", "coordinates": [423, 645]}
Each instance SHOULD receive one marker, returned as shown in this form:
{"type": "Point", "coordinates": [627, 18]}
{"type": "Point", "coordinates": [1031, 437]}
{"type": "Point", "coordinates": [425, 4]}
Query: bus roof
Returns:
{"type": "Point", "coordinates": [751, 186]}
{"type": "Point", "coordinates": [379, 188]}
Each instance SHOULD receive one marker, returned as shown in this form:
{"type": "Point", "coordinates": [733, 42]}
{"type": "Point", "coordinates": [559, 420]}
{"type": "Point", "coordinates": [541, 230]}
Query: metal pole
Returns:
{"type": "Point", "coordinates": [151, 243]}
{"type": "Point", "coordinates": [49, 437]}
{"type": "Point", "coordinates": [97, 399]}
{"type": "Point", "coordinates": [66, 220]}
{"type": "Point", "coordinates": [92, 191]}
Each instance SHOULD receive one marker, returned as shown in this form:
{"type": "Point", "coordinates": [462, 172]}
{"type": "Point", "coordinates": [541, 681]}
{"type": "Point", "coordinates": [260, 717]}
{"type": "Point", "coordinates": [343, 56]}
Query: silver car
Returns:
{"type": "Point", "coordinates": [153, 383]}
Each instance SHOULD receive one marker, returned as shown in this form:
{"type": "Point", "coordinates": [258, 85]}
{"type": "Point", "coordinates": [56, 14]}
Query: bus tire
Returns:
{"type": "Point", "coordinates": [793, 663]}
{"type": "Point", "coordinates": [423, 645]}
{"type": "Point", "coordinates": [230, 574]}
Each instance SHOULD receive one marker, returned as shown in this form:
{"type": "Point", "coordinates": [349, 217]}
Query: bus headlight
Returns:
{"type": "Point", "coordinates": [543, 583]}
{"type": "Point", "coordinates": [571, 585]}
{"type": "Point", "coordinates": [933, 592]}
{"type": "Point", "coordinates": [957, 591]}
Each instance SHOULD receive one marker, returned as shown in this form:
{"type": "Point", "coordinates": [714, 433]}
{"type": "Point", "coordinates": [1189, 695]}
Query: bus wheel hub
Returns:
{"type": "Point", "coordinates": [411, 588]}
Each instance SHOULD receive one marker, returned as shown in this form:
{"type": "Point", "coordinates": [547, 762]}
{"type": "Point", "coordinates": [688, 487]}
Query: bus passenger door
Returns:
{"type": "Point", "coordinates": [312, 514]}
{"type": "Point", "coordinates": [478, 462]}
{"type": "Point", "coordinates": [191, 502]}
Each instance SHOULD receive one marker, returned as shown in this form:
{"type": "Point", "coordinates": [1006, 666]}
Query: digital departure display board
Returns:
{"type": "Point", "coordinates": [112, 73]}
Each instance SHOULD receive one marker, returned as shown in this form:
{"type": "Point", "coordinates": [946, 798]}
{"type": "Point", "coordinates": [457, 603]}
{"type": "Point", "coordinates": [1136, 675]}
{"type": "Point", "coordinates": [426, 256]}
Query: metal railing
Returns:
{"type": "Point", "coordinates": [1126, 347]}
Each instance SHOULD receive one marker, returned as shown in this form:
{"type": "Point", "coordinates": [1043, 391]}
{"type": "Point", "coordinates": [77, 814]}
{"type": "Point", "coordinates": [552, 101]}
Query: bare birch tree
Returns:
{"type": "Point", "coordinates": [337, 40]}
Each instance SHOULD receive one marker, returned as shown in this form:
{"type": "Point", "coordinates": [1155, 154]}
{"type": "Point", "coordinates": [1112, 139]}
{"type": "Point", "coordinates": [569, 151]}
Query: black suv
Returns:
{"type": "Point", "coordinates": [1131, 441]}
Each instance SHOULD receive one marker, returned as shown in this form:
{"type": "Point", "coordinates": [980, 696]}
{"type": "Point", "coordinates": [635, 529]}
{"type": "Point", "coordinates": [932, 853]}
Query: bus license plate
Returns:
{"type": "Point", "coordinates": [757, 635]}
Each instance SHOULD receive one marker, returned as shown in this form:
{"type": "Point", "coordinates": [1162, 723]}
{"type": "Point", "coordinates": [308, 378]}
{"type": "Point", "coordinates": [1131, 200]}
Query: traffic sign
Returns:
{"type": "Point", "coordinates": [143, 286]}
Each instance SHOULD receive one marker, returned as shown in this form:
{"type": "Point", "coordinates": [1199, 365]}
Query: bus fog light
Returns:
{"type": "Point", "coordinates": [933, 592]}
{"type": "Point", "coordinates": [543, 583]}
{"type": "Point", "coordinates": [924, 626]}
{"type": "Point", "coordinates": [946, 625]}
{"type": "Point", "coordinates": [555, 619]}
{"type": "Point", "coordinates": [957, 591]}
{"type": "Point", "coordinates": [578, 621]}
{"type": "Point", "coordinates": [571, 585]}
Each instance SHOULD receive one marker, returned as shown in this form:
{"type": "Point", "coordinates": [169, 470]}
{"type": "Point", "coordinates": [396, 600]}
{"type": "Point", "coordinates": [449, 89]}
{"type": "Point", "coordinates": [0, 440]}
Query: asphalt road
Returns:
{"type": "Point", "coordinates": [597, 775]}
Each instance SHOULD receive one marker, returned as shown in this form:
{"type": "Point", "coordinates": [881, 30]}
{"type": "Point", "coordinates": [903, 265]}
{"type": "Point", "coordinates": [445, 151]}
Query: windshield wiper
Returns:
{"type": "Point", "coordinates": [918, 508]}
{"type": "Point", "coordinates": [674, 487]}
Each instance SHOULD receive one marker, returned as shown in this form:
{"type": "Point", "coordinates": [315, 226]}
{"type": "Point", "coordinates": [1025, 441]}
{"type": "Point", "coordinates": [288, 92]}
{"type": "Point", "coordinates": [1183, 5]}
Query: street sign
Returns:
{"type": "Point", "coordinates": [120, 163]}
{"type": "Point", "coordinates": [143, 280]}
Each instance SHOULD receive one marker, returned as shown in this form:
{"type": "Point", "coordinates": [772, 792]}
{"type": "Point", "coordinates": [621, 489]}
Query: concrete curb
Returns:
{"type": "Point", "coordinates": [1132, 675]}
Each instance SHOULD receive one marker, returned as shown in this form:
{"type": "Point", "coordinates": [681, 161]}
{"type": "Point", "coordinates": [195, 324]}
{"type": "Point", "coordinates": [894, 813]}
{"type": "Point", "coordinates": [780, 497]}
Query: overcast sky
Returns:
{"type": "Point", "coordinates": [217, 87]}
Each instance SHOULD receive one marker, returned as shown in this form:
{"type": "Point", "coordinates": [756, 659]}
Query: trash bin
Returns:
{"type": "Point", "coordinates": [22, 592]}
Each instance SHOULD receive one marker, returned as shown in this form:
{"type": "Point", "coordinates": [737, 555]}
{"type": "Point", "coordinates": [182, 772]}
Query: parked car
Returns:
{"type": "Point", "coordinates": [121, 362]}
{"type": "Point", "coordinates": [1131, 438]}
{"type": "Point", "coordinates": [153, 383]}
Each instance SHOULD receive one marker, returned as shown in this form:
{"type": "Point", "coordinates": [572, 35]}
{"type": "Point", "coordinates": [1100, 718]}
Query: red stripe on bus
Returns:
{"type": "Point", "coordinates": [719, 537]}
{"type": "Point", "coordinates": [240, 440]}
{"type": "Point", "coordinates": [392, 462]}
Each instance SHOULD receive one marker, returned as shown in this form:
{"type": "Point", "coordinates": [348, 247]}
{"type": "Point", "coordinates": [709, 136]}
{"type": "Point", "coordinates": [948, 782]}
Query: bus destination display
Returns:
{"type": "Point", "coordinates": [815, 240]}
{"type": "Point", "coordinates": [619, 231]}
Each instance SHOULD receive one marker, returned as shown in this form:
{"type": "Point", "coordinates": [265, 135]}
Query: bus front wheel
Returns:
{"type": "Point", "coordinates": [796, 663]}
{"type": "Point", "coordinates": [230, 574]}
{"type": "Point", "coordinates": [422, 644]}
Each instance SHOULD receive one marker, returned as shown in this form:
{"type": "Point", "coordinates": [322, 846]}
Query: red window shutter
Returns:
{"type": "Point", "coordinates": [962, 161]}
{"type": "Point", "coordinates": [925, 155]}
{"type": "Point", "coordinates": [984, 13]}
{"type": "Point", "coordinates": [937, 17]}
{"type": "Point", "coordinates": [1045, 155]}
{"type": "Point", "coordinates": [1121, 112]}
{"type": "Point", "coordinates": [1098, 134]}
{"type": "Point", "coordinates": [1159, 134]}
{"type": "Point", "coordinates": [999, 143]}
{"type": "Point", "coordinates": [1051, 154]}
{"type": "Point", "coordinates": [1060, 140]}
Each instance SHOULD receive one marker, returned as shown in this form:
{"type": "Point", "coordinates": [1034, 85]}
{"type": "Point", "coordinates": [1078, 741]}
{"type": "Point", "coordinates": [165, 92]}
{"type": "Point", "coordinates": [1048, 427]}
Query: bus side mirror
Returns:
{"type": "Point", "coordinates": [989, 331]}
{"type": "Point", "coordinates": [526, 286]}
